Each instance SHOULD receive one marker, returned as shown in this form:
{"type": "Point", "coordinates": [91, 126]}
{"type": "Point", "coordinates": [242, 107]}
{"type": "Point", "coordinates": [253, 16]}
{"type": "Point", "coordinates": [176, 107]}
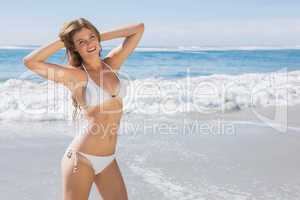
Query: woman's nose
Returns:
{"type": "Point", "coordinates": [89, 42]}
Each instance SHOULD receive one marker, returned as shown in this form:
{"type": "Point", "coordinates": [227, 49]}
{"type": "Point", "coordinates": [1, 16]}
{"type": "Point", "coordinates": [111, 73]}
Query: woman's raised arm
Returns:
{"type": "Point", "coordinates": [132, 34]}
{"type": "Point", "coordinates": [36, 62]}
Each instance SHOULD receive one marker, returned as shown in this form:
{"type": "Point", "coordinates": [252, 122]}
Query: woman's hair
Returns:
{"type": "Point", "coordinates": [66, 34]}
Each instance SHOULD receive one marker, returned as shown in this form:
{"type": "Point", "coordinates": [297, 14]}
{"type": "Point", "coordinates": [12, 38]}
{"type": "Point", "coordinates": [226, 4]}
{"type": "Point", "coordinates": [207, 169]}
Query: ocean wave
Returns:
{"type": "Point", "coordinates": [27, 100]}
{"type": "Point", "coordinates": [214, 93]}
{"type": "Point", "coordinates": [24, 100]}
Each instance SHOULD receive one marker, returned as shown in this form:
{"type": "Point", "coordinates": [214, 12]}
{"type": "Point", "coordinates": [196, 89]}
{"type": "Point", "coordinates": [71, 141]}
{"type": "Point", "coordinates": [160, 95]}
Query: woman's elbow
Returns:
{"type": "Point", "coordinates": [142, 26]}
{"type": "Point", "coordinates": [27, 62]}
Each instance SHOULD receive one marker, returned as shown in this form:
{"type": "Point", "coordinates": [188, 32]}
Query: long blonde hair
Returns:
{"type": "Point", "coordinates": [66, 34]}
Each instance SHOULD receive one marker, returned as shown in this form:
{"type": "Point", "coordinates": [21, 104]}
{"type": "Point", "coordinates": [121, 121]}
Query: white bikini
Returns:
{"type": "Point", "coordinates": [96, 95]}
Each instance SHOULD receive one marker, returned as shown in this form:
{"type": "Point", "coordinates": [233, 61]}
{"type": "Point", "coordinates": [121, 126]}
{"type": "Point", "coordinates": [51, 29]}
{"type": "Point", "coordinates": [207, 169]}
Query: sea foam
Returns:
{"type": "Point", "coordinates": [28, 100]}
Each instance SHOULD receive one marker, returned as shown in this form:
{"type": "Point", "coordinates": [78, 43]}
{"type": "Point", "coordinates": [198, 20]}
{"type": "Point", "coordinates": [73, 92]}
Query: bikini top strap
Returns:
{"type": "Point", "coordinates": [111, 71]}
{"type": "Point", "coordinates": [84, 67]}
{"type": "Point", "coordinates": [116, 73]}
{"type": "Point", "coordinates": [119, 88]}
{"type": "Point", "coordinates": [106, 65]}
{"type": "Point", "coordinates": [88, 76]}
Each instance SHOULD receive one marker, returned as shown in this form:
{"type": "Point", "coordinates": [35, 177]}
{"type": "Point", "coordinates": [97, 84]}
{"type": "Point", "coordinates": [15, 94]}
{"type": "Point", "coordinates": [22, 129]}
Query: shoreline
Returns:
{"type": "Point", "coordinates": [257, 162]}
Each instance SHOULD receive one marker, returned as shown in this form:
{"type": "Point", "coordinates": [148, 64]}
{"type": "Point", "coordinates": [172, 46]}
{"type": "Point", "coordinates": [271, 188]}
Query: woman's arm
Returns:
{"type": "Point", "coordinates": [132, 34]}
{"type": "Point", "coordinates": [41, 54]}
{"type": "Point", "coordinates": [124, 31]}
{"type": "Point", "coordinates": [36, 62]}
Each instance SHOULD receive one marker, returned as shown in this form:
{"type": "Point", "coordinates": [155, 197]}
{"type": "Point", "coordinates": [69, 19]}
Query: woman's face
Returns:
{"type": "Point", "coordinates": [86, 43]}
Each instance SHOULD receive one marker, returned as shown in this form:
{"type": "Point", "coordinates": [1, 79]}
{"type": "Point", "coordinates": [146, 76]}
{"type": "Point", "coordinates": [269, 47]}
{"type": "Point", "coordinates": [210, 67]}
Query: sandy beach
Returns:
{"type": "Point", "coordinates": [254, 161]}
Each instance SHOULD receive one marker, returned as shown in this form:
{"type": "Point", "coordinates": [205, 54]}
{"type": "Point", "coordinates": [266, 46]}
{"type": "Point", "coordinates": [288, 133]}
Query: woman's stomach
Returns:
{"type": "Point", "coordinates": [98, 132]}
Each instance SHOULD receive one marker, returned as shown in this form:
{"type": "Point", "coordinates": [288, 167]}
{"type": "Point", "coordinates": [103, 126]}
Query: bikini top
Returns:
{"type": "Point", "coordinates": [96, 95]}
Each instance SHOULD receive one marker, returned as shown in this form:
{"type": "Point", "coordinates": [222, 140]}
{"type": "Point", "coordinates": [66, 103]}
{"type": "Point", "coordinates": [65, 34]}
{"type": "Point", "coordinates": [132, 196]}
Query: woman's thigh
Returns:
{"type": "Point", "coordinates": [110, 183]}
{"type": "Point", "coordinates": [76, 185]}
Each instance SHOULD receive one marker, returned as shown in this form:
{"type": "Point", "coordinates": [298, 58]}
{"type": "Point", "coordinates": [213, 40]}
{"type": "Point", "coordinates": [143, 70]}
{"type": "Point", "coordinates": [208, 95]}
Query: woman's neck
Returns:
{"type": "Point", "coordinates": [93, 65]}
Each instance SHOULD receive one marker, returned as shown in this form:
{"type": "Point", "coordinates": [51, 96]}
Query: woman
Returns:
{"type": "Point", "coordinates": [97, 91]}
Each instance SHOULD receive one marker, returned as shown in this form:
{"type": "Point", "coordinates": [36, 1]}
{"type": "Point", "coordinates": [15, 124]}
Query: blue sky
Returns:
{"type": "Point", "coordinates": [168, 23]}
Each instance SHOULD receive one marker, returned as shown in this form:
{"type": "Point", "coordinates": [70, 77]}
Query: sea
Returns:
{"type": "Point", "coordinates": [162, 80]}
{"type": "Point", "coordinates": [167, 148]}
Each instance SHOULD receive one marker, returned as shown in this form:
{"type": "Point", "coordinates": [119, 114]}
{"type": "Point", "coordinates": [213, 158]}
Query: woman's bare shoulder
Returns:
{"type": "Point", "coordinates": [70, 66]}
{"type": "Point", "coordinates": [76, 71]}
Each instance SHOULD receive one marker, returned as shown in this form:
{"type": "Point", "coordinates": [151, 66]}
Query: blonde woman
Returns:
{"type": "Point", "coordinates": [97, 91]}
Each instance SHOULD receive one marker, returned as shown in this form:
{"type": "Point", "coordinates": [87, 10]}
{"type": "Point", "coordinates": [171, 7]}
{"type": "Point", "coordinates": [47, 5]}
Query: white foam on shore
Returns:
{"type": "Point", "coordinates": [26, 100]}
{"type": "Point", "coordinates": [210, 94]}
{"type": "Point", "coordinates": [173, 190]}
